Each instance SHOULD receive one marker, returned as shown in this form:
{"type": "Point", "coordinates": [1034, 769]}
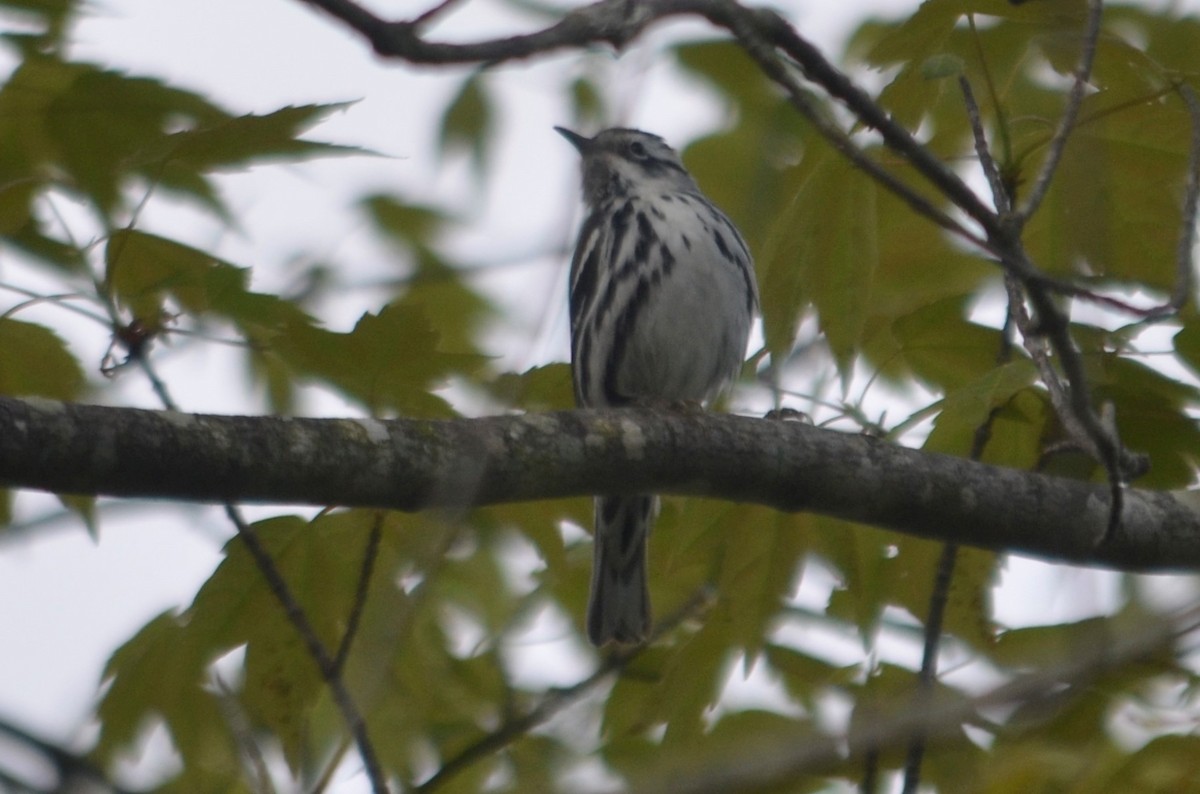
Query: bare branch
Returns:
{"type": "Point", "coordinates": [1071, 395]}
{"type": "Point", "coordinates": [433, 13]}
{"type": "Point", "coordinates": [929, 658]}
{"type": "Point", "coordinates": [760, 32]}
{"type": "Point", "coordinates": [370, 553]}
{"type": "Point", "coordinates": [1083, 73]}
{"type": "Point", "coordinates": [776, 31]}
{"type": "Point", "coordinates": [1000, 195]}
{"type": "Point", "coordinates": [615, 22]}
{"type": "Point", "coordinates": [1185, 267]}
{"type": "Point", "coordinates": [74, 771]}
{"type": "Point", "coordinates": [409, 464]}
{"type": "Point", "coordinates": [316, 649]}
{"type": "Point", "coordinates": [783, 757]}
{"type": "Point", "coordinates": [764, 54]}
{"type": "Point", "coordinates": [940, 597]}
{"type": "Point", "coordinates": [328, 667]}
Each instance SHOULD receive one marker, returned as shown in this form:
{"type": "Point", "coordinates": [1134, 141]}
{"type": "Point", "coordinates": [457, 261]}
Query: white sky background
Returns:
{"type": "Point", "coordinates": [66, 602]}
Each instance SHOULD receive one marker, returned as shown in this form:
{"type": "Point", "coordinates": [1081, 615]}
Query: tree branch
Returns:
{"type": "Point", "coordinates": [1058, 144]}
{"type": "Point", "coordinates": [775, 759]}
{"type": "Point", "coordinates": [618, 22]}
{"type": "Point", "coordinates": [410, 464]}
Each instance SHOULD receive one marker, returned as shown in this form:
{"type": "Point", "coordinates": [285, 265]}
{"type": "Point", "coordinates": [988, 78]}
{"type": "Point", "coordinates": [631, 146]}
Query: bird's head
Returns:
{"type": "Point", "coordinates": [620, 161]}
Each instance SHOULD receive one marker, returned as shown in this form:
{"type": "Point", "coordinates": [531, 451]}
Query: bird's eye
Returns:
{"type": "Point", "coordinates": [637, 149]}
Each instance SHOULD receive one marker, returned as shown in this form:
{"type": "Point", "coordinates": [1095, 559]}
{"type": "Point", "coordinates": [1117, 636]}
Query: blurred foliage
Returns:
{"type": "Point", "coordinates": [441, 662]}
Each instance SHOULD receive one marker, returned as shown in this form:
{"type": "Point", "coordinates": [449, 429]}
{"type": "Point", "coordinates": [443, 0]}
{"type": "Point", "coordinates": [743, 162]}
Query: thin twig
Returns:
{"type": "Point", "coordinates": [1187, 237]}
{"type": "Point", "coordinates": [618, 22]}
{"type": "Point", "coordinates": [278, 586]}
{"type": "Point", "coordinates": [428, 16]}
{"type": "Point", "coordinates": [944, 575]}
{"type": "Point", "coordinates": [940, 596]}
{"type": "Point", "coordinates": [66, 763]}
{"type": "Point", "coordinates": [775, 30]}
{"type": "Point", "coordinates": [370, 554]}
{"type": "Point", "coordinates": [782, 759]}
{"type": "Point", "coordinates": [1083, 73]}
{"type": "Point", "coordinates": [1073, 400]}
{"type": "Point", "coordinates": [763, 53]}
{"type": "Point", "coordinates": [247, 741]}
{"type": "Point", "coordinates": [994, 98]}
{"type": "Point", "coordinates": [1000, 195]}
{"type": "Point", "coordinates": [316, 649]}
{"type": "Point", "coordinates": [514, 727]}
{"type": "Point", "coordinates": [59, 300]}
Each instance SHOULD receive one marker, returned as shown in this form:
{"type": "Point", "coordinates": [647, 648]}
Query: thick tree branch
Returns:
{"type": "Point", "coordinates": [416, 464]}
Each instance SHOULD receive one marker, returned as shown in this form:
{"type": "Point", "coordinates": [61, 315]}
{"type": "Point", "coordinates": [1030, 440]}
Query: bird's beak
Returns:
{"type": "Point", "coordinates": [580, 142]}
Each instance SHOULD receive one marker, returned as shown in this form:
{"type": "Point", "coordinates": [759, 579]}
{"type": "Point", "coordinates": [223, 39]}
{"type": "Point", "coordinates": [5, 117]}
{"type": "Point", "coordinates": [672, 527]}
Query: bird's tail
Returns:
{"type": "Point", "coordinates": [619, 606]}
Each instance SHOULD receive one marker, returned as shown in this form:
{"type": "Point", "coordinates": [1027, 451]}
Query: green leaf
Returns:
{"type": "Point", "coordinates": [968, 612]}
{"type": "Point", "coordinates": [939, 67]}
{"type": "Point", "coordinates": [730, 165]}
{"type": "Point", "coordinates": [54, 15]}
{"type": "Point", "coordinates": [822, 249]}
{"type": "Point", "coordinates": [1153, 416]}
{"type": "Point", "coordinates": [432, 284]}
{"type": "Point", "coordinates": [236, 142]}
{"type": "Point", "coordinates": [1165, 764]}
{"type": "Point", "coordinates": [31, 240]}
{"type": "Point", "coordinates": [16, 206]}
{"type": "Point", "coordinates": [35, 362]}
{"type": "Point", "coordinates": [674, 689]}
{"type": "Point", "coordinates": [939, 345]}
{"type": "Point", "coordinates": [85, 508]}
{"type": "Point", "coordinates": [410, 225]}
{"type": "Point", "coordinates": [806, 678]}
{"type": "Point", "coordinates": [1113, 208]}
{"type": "Point", "coordinates": [320, 562]}
{"type": "Point", "coordinates": [97, 130]}
{"type": "Point", "coordinates": [587, 105]}
{"type": "Point", "coordinates": [1187, 340]}
{"type": "Point", "coordinates": [90, 123]}
{"type": "Point", "coordinates": [159, 673]}
{"type": "Point", "coordinates": [968, 408]}
{"type": "Point", "coordinates": [759, 568]}
{"type": "Point", "coordinates": [545, 388]}
{"type": "Point", "coordinates": [467, 123]}
{"type": "Point", "coordinates": [390, 361]}
{"type": "Point", "coordinates": [144, 270]}
{"type": "Point", "coordinates": [1032, 647]}
{"type": "Point", "coordinates": [918, 266]}
{"type": "Point", "coordinates": [864, 556]}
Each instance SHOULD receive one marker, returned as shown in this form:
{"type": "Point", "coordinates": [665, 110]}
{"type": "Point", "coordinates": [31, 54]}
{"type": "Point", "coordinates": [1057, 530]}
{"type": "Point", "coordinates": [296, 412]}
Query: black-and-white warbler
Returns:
{"type": "Point", "coordinates": [662, 296]}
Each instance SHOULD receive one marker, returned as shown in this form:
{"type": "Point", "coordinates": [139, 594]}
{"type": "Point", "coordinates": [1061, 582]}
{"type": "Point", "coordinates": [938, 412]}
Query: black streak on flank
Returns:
{"type": "Point", "coordinates": [583, 378]}
{"type": "Point", "coordinates": [585, 284]}
{"type": "Point", "coordinates": [645, 238]}
{"type": "Point", "coordinates": [623, 331]}
{"type": "Point", "coordinates": [668, 262]}
{"type": "Point", "coordinates": [719, 239]}
{"type": "Point", "coordinates": [620, 225]}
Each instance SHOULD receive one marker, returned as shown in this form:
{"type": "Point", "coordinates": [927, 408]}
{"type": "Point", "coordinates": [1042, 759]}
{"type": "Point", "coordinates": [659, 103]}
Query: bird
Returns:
{"type": "Point", "coordinates": [662, 298]}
